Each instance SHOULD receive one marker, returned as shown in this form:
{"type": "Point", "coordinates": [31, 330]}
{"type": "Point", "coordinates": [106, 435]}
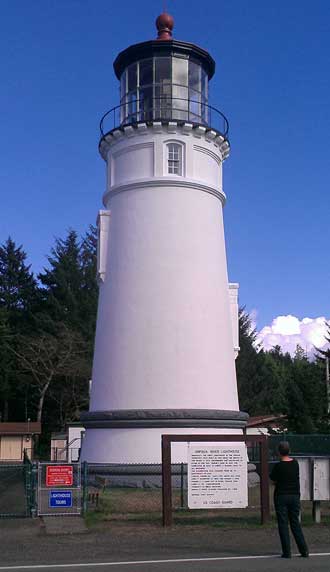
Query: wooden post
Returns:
{"type": "Point", "coordinates": [317, 511]}
{"type": "Point", "coordinates": [166, 468]}
{"type": "Point", "coordinates": [166, 480]}
{"type": "Point", "coordinates": [84, 483]}
{"type": "Point", "coordinates": [181, 486]}
{"type": "Point", "coordinates": [316, 503]}
{"type": "Point", "coordinates": [264, 481]}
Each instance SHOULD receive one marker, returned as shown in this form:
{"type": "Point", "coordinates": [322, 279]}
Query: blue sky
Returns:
{"type": "Point", "coordinates": [272, 82]}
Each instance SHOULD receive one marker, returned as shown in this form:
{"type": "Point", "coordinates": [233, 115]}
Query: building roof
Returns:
{"type": "Point", "coordinates": [28, 428]}
{"type": "Point", "coordinates": [266, 420]}
{"type": "Point", "coordinates": [59, 436]}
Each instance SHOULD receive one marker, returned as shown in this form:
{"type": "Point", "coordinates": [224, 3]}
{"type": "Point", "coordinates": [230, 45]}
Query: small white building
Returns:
{"type": "Point", "coordinates": [66, 446]}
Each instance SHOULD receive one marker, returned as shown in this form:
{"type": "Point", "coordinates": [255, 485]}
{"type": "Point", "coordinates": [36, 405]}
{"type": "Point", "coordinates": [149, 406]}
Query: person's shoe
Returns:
{"type": "Point", "coordinates": [285, 555]}
{"type": "Point", "coordinates": [305, 555]}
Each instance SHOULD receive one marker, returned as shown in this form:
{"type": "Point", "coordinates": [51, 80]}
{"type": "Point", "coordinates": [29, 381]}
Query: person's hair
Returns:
{"type": "Point", "coordinates": [284, 448]}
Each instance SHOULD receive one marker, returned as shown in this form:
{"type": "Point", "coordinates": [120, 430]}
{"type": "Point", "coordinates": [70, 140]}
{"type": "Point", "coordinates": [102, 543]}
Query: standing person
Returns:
{"type": "Point", "coordinates": [285, 474]}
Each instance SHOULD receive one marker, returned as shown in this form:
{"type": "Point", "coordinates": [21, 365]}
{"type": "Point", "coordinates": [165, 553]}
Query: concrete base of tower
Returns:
{"type": "Point", "coordinates": [134, 436]}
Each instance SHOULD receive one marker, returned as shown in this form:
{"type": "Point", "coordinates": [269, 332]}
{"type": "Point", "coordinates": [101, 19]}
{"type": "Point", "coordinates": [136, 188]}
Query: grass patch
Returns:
{"type": "Point", "coordinates": [222, 521]}
{"type": "Point", "coordinates": [129, 505]}
{"type": "Point", "coordinates": [94, 517]}
{"type": "Point", "coordinates": [120, 501]}
{"type": "Point", "coordinates": [307, 520]}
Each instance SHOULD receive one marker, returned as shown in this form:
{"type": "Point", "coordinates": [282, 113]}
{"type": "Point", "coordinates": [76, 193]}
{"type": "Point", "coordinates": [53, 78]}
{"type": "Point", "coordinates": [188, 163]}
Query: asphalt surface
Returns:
{"type": "Point", "coordinates": [25, 545]}
{"type": "Point", "coordinates": [317, 563]}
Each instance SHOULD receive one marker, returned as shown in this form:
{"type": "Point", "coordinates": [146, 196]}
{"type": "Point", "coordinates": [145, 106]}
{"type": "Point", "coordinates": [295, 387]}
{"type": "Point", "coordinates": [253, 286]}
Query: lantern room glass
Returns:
{"type": "Point", "coordinates": [164, 88]}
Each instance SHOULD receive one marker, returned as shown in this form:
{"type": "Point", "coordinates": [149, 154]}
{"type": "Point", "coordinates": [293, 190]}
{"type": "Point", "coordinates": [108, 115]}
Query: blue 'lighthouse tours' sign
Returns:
{"type": "Point", "coordinates": [60, 499]}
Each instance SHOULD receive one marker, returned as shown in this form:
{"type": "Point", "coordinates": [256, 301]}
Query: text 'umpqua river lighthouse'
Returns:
{"type": "Point", "coordinates": [167, 325]}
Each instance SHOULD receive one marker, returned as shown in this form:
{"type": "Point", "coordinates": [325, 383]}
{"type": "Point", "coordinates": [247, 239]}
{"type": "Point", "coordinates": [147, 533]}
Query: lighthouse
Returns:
{"type": "Point", "coordinates": [167, 324]}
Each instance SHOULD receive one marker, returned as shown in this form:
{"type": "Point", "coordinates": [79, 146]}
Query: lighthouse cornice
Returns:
{"type": "Point", "coordinates": [210, 134]}
{"type": "Point", "coordinates": [151, 418]}
{"type": "Point", "coordinates": [164, 183]}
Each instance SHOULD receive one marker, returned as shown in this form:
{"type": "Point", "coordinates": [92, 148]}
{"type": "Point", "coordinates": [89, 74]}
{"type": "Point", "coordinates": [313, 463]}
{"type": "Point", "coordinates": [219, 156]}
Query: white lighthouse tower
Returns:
{"type": "Point", "coordinates": [167, 332]}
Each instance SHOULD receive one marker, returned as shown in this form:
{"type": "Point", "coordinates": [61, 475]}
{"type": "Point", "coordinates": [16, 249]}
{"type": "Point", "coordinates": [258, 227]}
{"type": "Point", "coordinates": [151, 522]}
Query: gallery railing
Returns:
{"type": "Point", "coordinates": [164, 109]}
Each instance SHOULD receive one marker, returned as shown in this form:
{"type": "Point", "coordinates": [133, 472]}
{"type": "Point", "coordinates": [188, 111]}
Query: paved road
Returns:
{"type": "Point", "coordinates": [316, 563]}
{"type": "Point", "coordinates": [26, 547]}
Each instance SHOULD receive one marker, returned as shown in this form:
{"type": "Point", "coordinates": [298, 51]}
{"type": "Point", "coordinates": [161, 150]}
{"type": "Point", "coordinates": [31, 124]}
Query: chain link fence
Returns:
{"type": "Point", "coordinates": [131, 489]}
{"type": "Point", "coordinates": [120, 490]}
{"type": "Point", "coordinates": [30, 480]}
{"type": "Point", "coordinates": [300, 445]}
{"type": "Point", "coordinates": [13, 490]}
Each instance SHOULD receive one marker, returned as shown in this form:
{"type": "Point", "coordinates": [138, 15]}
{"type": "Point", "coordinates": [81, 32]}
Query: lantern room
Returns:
{"type": "Point", "coordinates": [164, 80]}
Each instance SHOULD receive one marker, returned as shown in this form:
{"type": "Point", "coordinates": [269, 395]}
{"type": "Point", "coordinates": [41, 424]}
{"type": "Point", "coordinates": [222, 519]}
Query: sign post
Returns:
{"type": "Point", "coordinates": [261, 440]}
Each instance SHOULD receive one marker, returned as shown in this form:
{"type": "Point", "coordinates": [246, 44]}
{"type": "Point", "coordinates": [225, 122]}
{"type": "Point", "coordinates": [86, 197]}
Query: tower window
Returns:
{"type": "Point", "coordinates": [174, 151]}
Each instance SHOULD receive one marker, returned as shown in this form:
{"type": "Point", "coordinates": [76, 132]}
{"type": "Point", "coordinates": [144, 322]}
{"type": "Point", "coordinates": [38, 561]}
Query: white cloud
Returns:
{"type": "Point", "coordinates": [253, 315]}
{"type": "Point", "coordinates": [288, 331]}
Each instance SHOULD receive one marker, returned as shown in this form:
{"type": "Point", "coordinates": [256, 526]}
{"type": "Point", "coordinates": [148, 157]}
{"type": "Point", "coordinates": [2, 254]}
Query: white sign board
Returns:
{"type": "Point", "coordinates": [314, 479]}
{"type": "Point", "coordinates": [305, 479]}
{"type": "Point", "coordinates": [217, 476]}
{"type": "Point", "coordinates": [321, 480]}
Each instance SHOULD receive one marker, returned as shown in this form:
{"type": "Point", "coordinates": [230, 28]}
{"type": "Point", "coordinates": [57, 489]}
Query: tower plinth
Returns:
{"type": "Point", "coordinates": [166, 336]}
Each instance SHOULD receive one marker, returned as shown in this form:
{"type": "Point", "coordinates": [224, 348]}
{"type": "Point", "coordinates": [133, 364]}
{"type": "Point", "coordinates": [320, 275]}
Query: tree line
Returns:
{"type": "Point", "coordinates": [47, 327]}
{"type": "Point", "coordinates": [273, 382]}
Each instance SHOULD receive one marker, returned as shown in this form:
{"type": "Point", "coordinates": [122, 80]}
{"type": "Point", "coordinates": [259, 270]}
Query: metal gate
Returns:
{"type": "Point", "coordinates": [59, 489]}
{"type": "Point", "coordinates": [14, 490]}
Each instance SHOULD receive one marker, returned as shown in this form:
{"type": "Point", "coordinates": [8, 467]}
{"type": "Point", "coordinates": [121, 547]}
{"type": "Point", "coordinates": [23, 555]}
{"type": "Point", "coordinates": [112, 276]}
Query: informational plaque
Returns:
{"type": "Point", "coordinates": [217, 476]}
{"type": "Point", "coordinates": [321, 480]}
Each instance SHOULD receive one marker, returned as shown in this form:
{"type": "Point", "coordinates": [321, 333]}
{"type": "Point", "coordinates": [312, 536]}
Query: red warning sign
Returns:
{"type": "Point", "coordinates": [59, 475]}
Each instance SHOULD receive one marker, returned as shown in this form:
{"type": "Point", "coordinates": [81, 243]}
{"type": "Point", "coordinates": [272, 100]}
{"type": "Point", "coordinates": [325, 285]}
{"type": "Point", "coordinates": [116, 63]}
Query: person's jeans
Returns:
{"type": "Point", "coordinates": [287, 509]}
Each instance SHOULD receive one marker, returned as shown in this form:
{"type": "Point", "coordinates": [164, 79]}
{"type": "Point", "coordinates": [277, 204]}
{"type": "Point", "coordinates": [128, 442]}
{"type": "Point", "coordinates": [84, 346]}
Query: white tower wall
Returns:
{"type": "Point", "coordinates": [166, 337]}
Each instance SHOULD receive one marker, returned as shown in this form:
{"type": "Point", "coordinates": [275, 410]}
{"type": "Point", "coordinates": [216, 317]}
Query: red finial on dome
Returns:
{"type": "Point", "coordinates": [164, 25]}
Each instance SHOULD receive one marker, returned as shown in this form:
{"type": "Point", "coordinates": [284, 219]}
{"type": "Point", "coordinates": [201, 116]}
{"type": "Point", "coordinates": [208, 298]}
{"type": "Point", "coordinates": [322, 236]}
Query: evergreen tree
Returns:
{"type": "Point", "coordinates": [246, 362]}
{"type": "Point", "coordinates": [300, 354]}
{"type": "Point", "coordinates": [49, 360]}
{"type": "Point", "coordinates": [18, 300]}
{"type": "Point", "coordinates": [273, 382]}
{"type": "Point", "coordinates": [18, 287]}
{"type": "Point", "coordinates": [62, 284]}
{"type": "Point", "coordinates": [279, 357]}
{"type": "Point", "coordinates": [270, 386]}
{"type": "Point", "coordinates": [6, 366]}
{"type": "Point", "coordinates": [306, 395]}
{"type": "Point", "coordinates": [322, 359]}
{"type": "Point", "coordinates": [322, 354]}
{"type": "Point", "coordinates": [89, 287]}
{"type": "Point", "coordinates": [260, 375]}
{"type": "Point", "coordinates": [47, 334]}
{"type": "Point", "coordinates": [70, 302]}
